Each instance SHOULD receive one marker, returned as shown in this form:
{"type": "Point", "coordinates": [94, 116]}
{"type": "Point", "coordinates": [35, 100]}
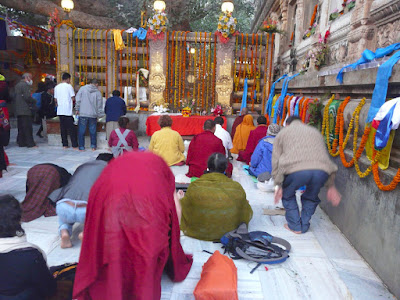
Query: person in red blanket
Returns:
{"type": "Point", "coordinates": [4, 124]}
{"type": "Point", "coordinates": [255, 136]}
{"type": "Point", "coordinates": [131, 232]}
{"type": "Point", "coordinates": [200, 149]}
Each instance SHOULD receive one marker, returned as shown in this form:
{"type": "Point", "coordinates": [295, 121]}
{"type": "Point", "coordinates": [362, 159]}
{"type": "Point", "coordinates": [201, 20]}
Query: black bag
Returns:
{"type": "Point", "coordinates": [257, 246]}
{"type": "Point", "coordinates": [65, 277]}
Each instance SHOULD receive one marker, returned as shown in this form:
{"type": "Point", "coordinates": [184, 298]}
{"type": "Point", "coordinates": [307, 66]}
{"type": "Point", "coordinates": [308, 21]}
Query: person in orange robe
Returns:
{"type": "Point", "coordinates": [200, 149]}
{"type": "Point", "coordinates": [238, 121]}
{"type": "Point", "coordinates": [255, 136]}
{"type": "Point", "coordinates": [242, 134]}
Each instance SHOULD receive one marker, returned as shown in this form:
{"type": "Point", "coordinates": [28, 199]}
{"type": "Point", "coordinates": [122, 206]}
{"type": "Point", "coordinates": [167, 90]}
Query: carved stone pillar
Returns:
{"type": "Point", "coordinates": [157, 79]}
{"type": "Point", "coordinates": [224, 80]}
{"type": "Point", "coordinates": [65, 62]}
{"type": "Point", "coordinates": [299, 17]}
{"type": "Point", "coordinates": [362, 31]}
{"type": "Point", "coordinates": [386, 16]}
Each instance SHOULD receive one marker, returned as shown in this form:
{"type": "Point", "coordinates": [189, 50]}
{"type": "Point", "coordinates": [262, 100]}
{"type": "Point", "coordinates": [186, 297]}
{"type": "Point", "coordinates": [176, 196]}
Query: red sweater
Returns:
{"type": "Point", "coordinates": [131, 139]}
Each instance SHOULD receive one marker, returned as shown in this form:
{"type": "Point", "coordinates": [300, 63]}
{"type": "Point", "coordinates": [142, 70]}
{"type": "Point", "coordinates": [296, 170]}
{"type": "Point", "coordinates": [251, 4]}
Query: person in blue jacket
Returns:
{"type": "Point", "coordinates": [114, 109]}
{"type": "Point", "coordinates": [261, 160]}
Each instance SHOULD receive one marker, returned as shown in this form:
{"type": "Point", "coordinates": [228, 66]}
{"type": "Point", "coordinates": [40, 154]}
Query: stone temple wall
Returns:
{"type": "Point", "coordinates": [369, 217]}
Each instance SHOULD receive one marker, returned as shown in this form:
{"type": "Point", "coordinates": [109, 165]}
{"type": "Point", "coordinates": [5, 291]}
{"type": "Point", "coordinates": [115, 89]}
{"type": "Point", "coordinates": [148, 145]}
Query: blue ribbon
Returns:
{"type": "Point", "coordinates": [368, 56]}
{"type": "Point", "coordinates": [296, 108]}
{"type": "Point", "coordinates": [383, 131]}
{"type": "Point", "coordinates": [140, 34]}
{"type": "Point", "coordinates": [244, 97]}
{"type": "Point", "coordinates": [280, 102]}
{"type": "Point", "coordinates": [268, 107]}
{"type": "Point", "coordinates": [381, 86]}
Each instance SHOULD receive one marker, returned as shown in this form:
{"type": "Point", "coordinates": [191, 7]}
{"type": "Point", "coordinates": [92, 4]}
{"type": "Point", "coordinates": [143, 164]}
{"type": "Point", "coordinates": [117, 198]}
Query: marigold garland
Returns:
{"type": "Point", "coordinates": [259, 67]}
{"type": "Point", "coordinates": [265, 71]}
{"type": "Point", "coordinates": [235, 82]}
{"type": "Point", "coordinates": [136, 55]}
{"type": "Point", "coordinates": [314, 15]}
{"type": "Point", "coordinates": [106, 61]}
{"type": "Point", "coordinates": [73, 55]}
{"type": "Point", "coordinates": [194, 67]}
{"type": "Point", "coordinates": [204, 72]}
{"type": "Point", "coordinates": [375, 170]}
{"type": "Point", "coordinates": [172, 63]}
{"type": "Point", "coordinates": [102, 66]}
{"type": "Point", "coordinates": [184, 65]}
{"type": "Point", "coordinates": [79, 56]}
{"type": "Point", "coordinates": [180, 55]}
{"type": "Point", "coordinates": [332, 151]}
{"type": "Point", "coordinates": [208, 72]}
{"type": "Point", "coordinates": [166, 97]}
{"type": "Point", "coordinates": [270, 62]}
{"type": "Point", "coordinates": [214, 78]}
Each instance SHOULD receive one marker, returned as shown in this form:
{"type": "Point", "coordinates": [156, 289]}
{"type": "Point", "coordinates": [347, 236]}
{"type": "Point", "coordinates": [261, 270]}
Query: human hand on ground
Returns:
{"type": "Point", "coordinates": [278, 195]}
{"type": "Point", "coordinates": [333, 196]}
{"type": "Point", "coordinates": [180, 194]}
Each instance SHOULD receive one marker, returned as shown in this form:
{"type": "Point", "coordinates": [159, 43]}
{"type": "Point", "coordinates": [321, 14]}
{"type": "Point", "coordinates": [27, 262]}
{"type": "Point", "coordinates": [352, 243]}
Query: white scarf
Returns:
{"type": "Point", "coordinates": [14, 243]}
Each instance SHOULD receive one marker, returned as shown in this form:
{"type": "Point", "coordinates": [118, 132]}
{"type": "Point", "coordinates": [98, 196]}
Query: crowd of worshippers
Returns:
{"type": "Point", "coordinates": [133, 214]}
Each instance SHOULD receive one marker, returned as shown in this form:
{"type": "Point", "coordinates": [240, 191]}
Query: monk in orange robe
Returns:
{"type": "Point", "coordinates": [238, 121]}
{"type": "Point", "coordinates": [242, 134]}
{"type": "Point", "coordinates": [255, 136]}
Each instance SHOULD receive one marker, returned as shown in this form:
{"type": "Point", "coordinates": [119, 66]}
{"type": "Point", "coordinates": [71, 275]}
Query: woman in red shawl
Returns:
{"type": "Point", "coordinates": [131, 232]}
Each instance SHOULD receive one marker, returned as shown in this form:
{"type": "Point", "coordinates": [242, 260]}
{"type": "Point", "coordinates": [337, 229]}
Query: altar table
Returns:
{"type": "Point", "coordinates": [184, 125]}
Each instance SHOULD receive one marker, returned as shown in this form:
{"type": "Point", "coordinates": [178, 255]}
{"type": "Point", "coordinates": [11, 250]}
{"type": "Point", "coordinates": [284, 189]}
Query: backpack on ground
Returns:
{"type": "Point", "coordinates": [257, 246]}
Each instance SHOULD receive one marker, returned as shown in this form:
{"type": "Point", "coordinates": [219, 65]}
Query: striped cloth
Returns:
{"type": "Point", "coordinates": [42, 180]}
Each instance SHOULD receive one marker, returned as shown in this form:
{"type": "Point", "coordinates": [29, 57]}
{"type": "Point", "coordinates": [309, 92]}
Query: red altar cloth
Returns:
{"type": "Point", "coordinates": [184, 125]}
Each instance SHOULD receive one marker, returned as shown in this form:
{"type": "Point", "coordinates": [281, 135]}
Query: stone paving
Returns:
{"type": "Point", "coordinates": [322, 263]}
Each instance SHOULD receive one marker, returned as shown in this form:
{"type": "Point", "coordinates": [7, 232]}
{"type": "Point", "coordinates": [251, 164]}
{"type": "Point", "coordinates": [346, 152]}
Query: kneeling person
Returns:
{"type": "Point", "coordinates": [214, 204]}
{"type": "Point", "coordinates": [122, 139]}
{"type": "Point", "coordinates": [72, 199]}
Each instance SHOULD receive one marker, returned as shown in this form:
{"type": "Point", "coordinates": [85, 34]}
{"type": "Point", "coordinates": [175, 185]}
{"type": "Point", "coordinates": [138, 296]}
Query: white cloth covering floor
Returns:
{"type": "Point", "coordinates": [322, 263]}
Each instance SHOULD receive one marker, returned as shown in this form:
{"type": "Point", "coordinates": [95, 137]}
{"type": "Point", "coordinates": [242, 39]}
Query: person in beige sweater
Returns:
{"type": "Point", "coordinates": [300, 158]}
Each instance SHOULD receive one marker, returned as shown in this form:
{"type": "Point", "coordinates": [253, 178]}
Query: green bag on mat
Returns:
{"type": "Point", "coordinates": [333, 108]}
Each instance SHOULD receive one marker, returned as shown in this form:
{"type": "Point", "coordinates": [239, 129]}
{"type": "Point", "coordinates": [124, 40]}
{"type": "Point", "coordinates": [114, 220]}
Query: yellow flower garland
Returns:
{"type": "Point", "coordinates": [73, 55]}
{"type": "Point", "coordinates": [235, 77]}
{"type": "Point", "coordinates": [194, 68]}
{"type": "Point", "coordinates": [208, 72]}
{"type": "Point", "coordinates": [176, 70]}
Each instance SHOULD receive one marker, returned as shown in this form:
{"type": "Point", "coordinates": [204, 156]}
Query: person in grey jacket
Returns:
{"type": "Point", "coordinates": [89, 106]}
{"type": "Point", "coordinates": [23, 104]}
{"type": "Point", "coordinates": [72, 198]}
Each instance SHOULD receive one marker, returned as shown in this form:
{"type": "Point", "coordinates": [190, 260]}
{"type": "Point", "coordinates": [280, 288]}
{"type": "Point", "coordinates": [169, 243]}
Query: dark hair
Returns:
{"type": "Point", "coordinates": [261, 120]}
{"type": "Point", "coordinates": [165, 121]}
{"type": "Point", "coordinates": [10, 217]}
{"type": "Point", "coordinates": [123, 122]}
{"type": "Point", "coordinates": [116, 93]}
{"type": "Point", "coordinates": [94, 81]}
{"type": "Point", "coordinates": [291, 119]}
{"type": "Point", "coordinates": [66, 76]}
{"type": "Point", "coordinates": [219, 120]}
{"type": "Point", "coordinates": [105, 157]}
{"type": "Point", "coordinates": [209, 124]}
{"type": "Point", "coordinates": [50, 85]}
{"type": "Point", "coordinates": [217, 162]}
{"type": "Point", "coordinates": [41, 87]}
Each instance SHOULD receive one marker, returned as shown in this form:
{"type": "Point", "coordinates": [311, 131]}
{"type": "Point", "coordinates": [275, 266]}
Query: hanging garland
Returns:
{"type": "Point", "coordinates": [204, 72]}
{"type": "Point", "coordinates": [375, 170]}
{"type": "Point", "coordinates": [106, 62]}
{"type": "Point", "coordinates": [214, 70]}
{"type": "Point", "coordinates": [271, 62]}
{"type": "Point", "coordinates": [176, 70]}
{"type": "Point", "coordinates": [259, 69]}
{"type": "Point", "coordinates": [103, 83]}
{"type": "Point", "coordinates": [184, 65]}
{"type": "Point", "coordinates": [313, 24]}
{"type": "Point", "coordinates": [180, 46]}
{"type": "Point", "coordinates": [235, 81]}
{"type": "Point", "coordinates": [266, 70]}
{"type": "Point", "coordinates": [240, 62]}
{"type": "Point", "coordinates": [172, 62]}
{"type": "Point", "coordinates": [73, 55]}
{"type": "Point", "coordinates": [166, 96]}
{"type": "Point", "coordinates": [194, 67]}
{"type": "Point", "coordinates": [208, 72]}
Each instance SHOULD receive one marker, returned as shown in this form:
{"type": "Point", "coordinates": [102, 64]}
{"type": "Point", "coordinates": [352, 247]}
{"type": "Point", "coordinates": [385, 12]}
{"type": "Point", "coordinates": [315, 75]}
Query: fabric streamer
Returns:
{"type": "Point", "coordinates": [268, 107]}
{"type": "Point", "coordinates": [381, 86]}
{"type": "Point", "coordinates": [384, 158]}
{"type": "Point", "coordinates": [244, 97]}
{"type": "Point", "coordinates": [368, 56]}
{"type": "Point", "coordinates": [118, 41]}
{"type": "Point", "coordinates": [141, 34]}
{"type": "Point", "coordinates": [383, 131]}
{"type": "Point", "coordinates": [279, 104]}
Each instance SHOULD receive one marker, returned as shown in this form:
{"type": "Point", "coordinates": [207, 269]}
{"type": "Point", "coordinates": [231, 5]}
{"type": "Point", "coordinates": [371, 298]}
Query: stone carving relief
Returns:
{"type": "Point", "coordinates": [338, 53]}
{"type": "Point", "coordinates": [388, 34]}
{"type": "Point", "coordinates": [157, 80]}
{"type": "Point", "coordinates": [224, 86]}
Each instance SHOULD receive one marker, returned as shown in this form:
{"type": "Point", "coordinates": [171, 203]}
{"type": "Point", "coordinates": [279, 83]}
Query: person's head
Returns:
{"type": "Point", "coordinates": [291, 119]}
{"type": "Point", "coordinates": [41, 87]}
{"type": "Point", "coordinates": [94, 82]}
{"type": "Point", "coordinates": [165, 121]}
{"type": "Point", "coordinates": [123, 122]}
{"type": "Point", "coordinates": [217, 162]}
{"type": "Point", "coordinates": [27, 77]}
{"type": "Point", "coordinates": [273, 129]}
{"type": "Point", "coordinates": [66, 77]}
{"type": "Point", "coordinates": [116, 93]}
{"type": "Point", "coordinates": [209, 125]}
{"type": "Point", "coordinates": [105, 157]}
{"type": "Point", "coordinates": [261, 120]}
{"type": "Point", "coordinates": [245, 111]}
{"type": "Point", "coordinates": [10, 217]}
{"type": "Point", "coordinates": [50, 87]}
{"type": "Point", "coordinates": [219, 120]}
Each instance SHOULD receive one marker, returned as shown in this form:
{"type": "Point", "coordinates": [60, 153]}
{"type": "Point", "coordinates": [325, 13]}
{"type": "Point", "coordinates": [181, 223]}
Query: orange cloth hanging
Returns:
{"type": "Point", "coordinates": [119, 42]}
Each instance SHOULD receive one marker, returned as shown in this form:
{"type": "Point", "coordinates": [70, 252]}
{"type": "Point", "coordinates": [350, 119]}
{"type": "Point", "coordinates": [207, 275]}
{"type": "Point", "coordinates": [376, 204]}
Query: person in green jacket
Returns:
{"type": "Point", "coordinates": [214, 204]}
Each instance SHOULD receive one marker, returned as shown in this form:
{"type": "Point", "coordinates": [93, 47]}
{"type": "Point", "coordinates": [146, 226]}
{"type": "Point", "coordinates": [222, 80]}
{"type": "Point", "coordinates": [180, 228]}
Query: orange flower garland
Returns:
{"type": "Point", "coordinates": [166, 97]}
{"type": "Point", "coordinates": [240, 62]}
{"type": "Point", "coordinates": [204, 72]}
{"type": "Point", "coordinates": [214, 69]}
{"type": "Point", "coordinates": [375, 170]}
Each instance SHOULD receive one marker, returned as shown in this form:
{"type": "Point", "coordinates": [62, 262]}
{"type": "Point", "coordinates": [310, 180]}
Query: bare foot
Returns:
{"type": "Point", "coordinates": [75, 148]}
{"type": "Point", "coordinates": [94, 149]}
{"type": "Point", "coordinates": [80, 236]}
{"type": "Point", "coordinates": [81, 150]}
{"type": "Point", "coordinates": [65, 147]}
{"type": "Point", "coordinates": [65, 239]}
{"type": "Point", "coordinates": [287, 227]}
